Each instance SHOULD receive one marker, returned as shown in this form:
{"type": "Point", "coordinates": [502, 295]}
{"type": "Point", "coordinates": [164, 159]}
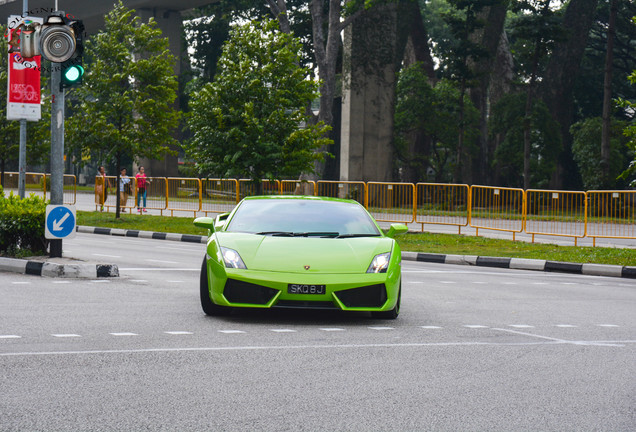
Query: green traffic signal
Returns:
{"type": "Point", "coordinates": [73, 73]}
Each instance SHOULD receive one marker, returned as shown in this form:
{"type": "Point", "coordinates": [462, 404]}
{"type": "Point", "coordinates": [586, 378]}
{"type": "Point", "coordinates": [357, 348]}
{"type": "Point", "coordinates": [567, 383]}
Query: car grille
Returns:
{"type": "Point", "coordinates": [236, 291]}
{"type": "Point", "coordinates": [368, 296]}
{"type": "Point", "coordinates": [292, 304]}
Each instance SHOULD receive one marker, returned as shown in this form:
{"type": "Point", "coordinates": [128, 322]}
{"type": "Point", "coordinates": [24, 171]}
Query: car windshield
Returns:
{"type": "Point", "coordinates": [302, 217]}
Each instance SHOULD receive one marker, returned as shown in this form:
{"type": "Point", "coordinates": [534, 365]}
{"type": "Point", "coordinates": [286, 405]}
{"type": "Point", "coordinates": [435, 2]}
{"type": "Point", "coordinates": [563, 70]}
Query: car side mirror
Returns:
{"type": "Point", "coordinates": [396, 229]}
{"type": "Point", "coordinates": [205, 222]}
{"type": "Point", "coordinates": [220, 220]}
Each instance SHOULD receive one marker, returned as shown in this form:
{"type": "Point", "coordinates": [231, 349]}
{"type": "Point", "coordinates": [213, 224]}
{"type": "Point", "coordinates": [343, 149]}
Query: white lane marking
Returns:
{"type": "Point", "coordinates": [161, 261]}
{"type": "Point", "coordinates": [107, 256]}
{"type": "Point", "coordinates": [380, 328]}
{"type": "Point", "coordinates": [332, 329]}
{"type": "Point", "coordinates": [521, 326]}
{"type": "Point", "coordinates": [539, 283]}
{"type": "Point", "coordinates": [607, 325]}
{"type": "Point", "coordinates": [138, 280]}
{"type": "Point", "coordinates": [283, 330]}
{"type": "Point", "coordinates": [568, 283]}
{"type": "Point", "coordinates": [174, 281]}
{"type": "Point", "coordinates": [100, 281]}
{"type": "Point", "coordinates": [565, 325]}
{"type": "Point", "coordinates": [231, 331]}
{"type": "Point", "coordinates": [431, 327]}
{"type": "Point", "coordinates": [65, 335]}
{"type": "Point", "coordinates": [510, 283]}
{"type": "Point", "coordinates": [20, 283]}
{"type": "Point", "coordinates": [124, 334]}
{"type": "Point", "coordinates": [474, 326]}
{"type": "Point", "coordinates": [616, 343]}
{"type": "Point", "coordinates": [479, 282]}
{"type": "Point", "coordinates": [62, 282]}
{"type": "Point", "coordinates": [447, 282]}
{"type": "Point", "coordinates": [564, 341]}
{"type": "Point", "coordinates": [10, 337]}
{"type": "Point", "coordinates": [178, 333]}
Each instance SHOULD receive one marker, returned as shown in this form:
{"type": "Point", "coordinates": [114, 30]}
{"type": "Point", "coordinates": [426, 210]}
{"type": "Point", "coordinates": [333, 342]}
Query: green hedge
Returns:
{"type": "Point", "coordinates": [22, 225]}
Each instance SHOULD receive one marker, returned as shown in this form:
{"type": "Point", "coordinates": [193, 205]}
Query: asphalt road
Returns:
{"type": "Point", "coordinates": [474, 349]}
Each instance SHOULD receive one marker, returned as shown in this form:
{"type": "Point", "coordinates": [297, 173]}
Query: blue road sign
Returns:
{"type": "Point", "coordinates": [60, 222]}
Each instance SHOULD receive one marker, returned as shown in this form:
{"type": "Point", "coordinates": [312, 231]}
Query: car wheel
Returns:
{"type": "Point", "coordinates": [393, 313]}
{"type": "Point", "coordinates": [209, 307]}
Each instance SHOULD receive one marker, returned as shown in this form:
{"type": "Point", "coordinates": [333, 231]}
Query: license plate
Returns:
{"type": "Point", "coordinates": [306, 289]}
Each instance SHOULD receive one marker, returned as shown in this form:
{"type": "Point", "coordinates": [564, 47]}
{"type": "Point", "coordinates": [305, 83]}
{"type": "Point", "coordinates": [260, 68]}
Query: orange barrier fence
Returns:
{"type": "Point", "coordinates": [556, 213]}
{"type": "Point", "coordinates": [611, 214]}
{"type": "Point", "coordinates": [442, 204]}
{"type": "Point", "coordinates": [499, 209]}
{"type": "Point", "coordinates": [592, 214]}
{"type": "Point", "coordinates": [391, 202]}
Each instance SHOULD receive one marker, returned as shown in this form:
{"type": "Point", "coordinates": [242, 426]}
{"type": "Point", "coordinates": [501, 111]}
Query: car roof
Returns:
{"type": "Point", "coordinates": [301, 197]}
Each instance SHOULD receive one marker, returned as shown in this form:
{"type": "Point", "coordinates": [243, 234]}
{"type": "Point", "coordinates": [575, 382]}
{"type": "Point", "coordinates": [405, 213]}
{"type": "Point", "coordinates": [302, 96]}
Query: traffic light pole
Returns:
{"type": "Point", "coordinates": [23, 135]}
{"type": "Point", "coordinates": [57, 148]}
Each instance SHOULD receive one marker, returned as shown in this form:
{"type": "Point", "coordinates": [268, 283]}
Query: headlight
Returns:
{"type": "Point", "coordinates": [232, 259]}
{"type": "Point", "coordinates": [380, 263]}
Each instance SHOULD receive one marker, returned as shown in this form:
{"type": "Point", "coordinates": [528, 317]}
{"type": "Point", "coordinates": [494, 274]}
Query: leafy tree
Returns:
{"type": "Point", "coordinates": [587, 153]}
{"type": "Point", "coordinates": [126, 104]}
{"type": "Point", "coordinates": [247, 122]}
{"type": "Point", "coordinates": [630, 131]}
{"type": "Point", "coordinates": [536, 30]}
{"type": "Point", "coordinates": [508, 123]}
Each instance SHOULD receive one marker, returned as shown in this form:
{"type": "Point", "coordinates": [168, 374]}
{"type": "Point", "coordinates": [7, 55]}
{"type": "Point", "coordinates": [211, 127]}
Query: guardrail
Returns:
{"type": "Point", "coordinates": [576, 214]}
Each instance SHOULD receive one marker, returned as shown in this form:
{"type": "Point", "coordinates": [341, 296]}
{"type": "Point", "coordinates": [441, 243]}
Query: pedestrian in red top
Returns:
{"type": "Point", "coordinates": [142, 182]}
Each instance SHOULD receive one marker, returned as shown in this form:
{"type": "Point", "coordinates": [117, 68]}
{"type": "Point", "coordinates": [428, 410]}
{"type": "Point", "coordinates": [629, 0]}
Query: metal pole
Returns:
{"type": "Point", "coordinates": [57, 147]}
{"type": "Point", "coordinates": [23, 135]}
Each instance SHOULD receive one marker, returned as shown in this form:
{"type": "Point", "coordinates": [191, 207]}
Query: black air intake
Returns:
{"type": "Point", "coordinates": [368, 296]}
{"type": "Point", "coordinates": [236, 291]}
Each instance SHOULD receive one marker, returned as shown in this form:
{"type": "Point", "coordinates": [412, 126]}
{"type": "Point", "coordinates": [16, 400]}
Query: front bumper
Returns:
{"type": "Point", "coordinates": [262, 289]}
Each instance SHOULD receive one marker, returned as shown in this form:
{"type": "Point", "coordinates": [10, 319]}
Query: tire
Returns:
{"type": "Point", "coordinates": [393, 313]}
{"type": "Point", "coordinates": [209, 307]}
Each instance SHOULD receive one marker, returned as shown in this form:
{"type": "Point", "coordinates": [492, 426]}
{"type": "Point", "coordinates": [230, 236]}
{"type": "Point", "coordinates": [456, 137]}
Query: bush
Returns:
{"type": "Point", "coordinates": [22, 225]}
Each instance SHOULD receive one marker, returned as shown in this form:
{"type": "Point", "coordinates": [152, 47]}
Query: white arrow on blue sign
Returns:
{"type": "Point", "coordinates": [60, 222]}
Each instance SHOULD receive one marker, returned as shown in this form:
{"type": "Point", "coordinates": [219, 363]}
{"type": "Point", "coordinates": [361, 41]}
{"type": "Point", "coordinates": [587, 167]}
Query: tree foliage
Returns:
{"type": "Point", "coordinates": [126, 105]}
{"type": "Point", "coordinates": [248, 121]}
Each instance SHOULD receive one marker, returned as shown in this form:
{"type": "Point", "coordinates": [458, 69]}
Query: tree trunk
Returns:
{"type": "Point", "coordinates": [117, 194]}
{"type": "Point", "coordinates": [607, 95]}
{"type": "Point", "coordinates": [490, 39]}
{"type": "Point", "coordinates": [557, 86]}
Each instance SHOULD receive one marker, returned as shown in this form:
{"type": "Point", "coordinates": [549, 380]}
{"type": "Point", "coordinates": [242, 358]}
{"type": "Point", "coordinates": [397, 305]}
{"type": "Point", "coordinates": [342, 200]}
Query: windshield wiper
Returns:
{"type": "Point", "coordinates": [357, 235]}
{"type": "Point", "coordinates": [316, 234]}
{"type": "Point", "coordinates": [277, 233]}
{"type": "Point", "coordinates": [300, 234]}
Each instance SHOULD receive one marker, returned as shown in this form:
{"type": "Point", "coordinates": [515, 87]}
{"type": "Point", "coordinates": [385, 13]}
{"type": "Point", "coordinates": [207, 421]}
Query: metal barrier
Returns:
{"type": "Point", "coordinates": [391, 202]}
{"type": "Point", "coordinates": [297, 187]}
{"type": "Point", "coordinates": [556, 213]}
{"type": "Point", "coordinates": [248, 188]}
{"type": "Point", "coordinates": [595, 214]}
{"type": "Point", "coordinates": [442, 204]}
{"type": "Point", "coordinates": [611, 214]}
{"type": "Point", "coordinates": [69, 191]}
{"type": "Point", "coordinates": [183, 194]}
{"type": "Point", "coordinates": [499, 209]}
{"type": "Point", "coordinates": [218, 195]}
{"type": "Point", "coordinates": [356, 191]}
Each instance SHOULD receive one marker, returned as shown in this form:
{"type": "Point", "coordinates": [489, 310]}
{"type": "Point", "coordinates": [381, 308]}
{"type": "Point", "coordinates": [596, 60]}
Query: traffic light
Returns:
{"type": "Point", "coordinates": [73, 69]}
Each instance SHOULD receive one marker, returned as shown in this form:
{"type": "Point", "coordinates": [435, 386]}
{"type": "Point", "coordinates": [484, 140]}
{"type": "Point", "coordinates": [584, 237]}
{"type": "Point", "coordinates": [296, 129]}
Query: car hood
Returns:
{"type": "Point", "coordinates": [292, 254]}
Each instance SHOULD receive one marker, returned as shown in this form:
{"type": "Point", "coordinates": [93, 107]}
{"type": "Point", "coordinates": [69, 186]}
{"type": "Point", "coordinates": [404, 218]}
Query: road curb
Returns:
{"type": "Point", "coordinates": [190, 238]}
{"type": "Point", "coordinates": [525, 264]}
{"type": "Point", "coordinates": [51, 269]}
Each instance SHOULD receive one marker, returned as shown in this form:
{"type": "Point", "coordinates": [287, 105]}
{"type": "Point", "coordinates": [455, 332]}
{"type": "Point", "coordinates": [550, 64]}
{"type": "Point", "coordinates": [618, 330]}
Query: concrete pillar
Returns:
{"type": "Point", "coordinates": [170, 23]}
{"type": "Point", "coordinates": [371, 50]}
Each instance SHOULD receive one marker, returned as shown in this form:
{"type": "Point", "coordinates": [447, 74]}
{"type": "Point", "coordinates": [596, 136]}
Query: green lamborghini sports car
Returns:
{"type": "Point", "coordinates": [300, 252]}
